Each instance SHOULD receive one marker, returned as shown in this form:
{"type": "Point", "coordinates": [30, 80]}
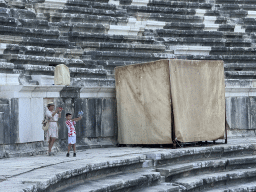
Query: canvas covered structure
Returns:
{"type": "Point", "coordinates": [164, 100]}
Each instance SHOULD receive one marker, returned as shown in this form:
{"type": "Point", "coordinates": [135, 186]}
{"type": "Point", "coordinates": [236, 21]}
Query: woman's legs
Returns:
{"type": "Point", "coordinates": [51, 142]}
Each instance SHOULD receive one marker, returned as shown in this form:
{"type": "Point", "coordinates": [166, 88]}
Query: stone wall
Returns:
{"type": "Point", "coordinates": [92, 37]}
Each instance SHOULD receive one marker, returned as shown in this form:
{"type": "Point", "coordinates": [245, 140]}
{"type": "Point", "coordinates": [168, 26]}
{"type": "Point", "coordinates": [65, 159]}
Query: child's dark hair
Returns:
{"type": "Point", "coordinates": [67, 114]}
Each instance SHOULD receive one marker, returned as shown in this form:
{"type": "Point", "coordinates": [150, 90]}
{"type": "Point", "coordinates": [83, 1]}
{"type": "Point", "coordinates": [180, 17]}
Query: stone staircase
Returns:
{"type": "Point", "coordinates": [212, 168]}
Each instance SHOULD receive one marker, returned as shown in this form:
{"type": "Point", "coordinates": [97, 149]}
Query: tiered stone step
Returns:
{"type": "Point", "coordinates": [78, 37]}
{"type": "Point", "coordinates": [251, 186]}
{"type": "Point", "coordinates": [172, 17]}
{"type": "Point", "coordinates": [235, 2]}
{"type": "Point", "coordinates": [163, 10]}
{"type": "Point", "coordinates": [81, 27]}
{"type": "Point", "coordinates": [240, 66]}
{"type": "Point", "coordinates": [245, 71]}
{"type": "Point", "coordinates": [202, 34]}
{"type": "Point", "coordinates": [129, 2]}
{"type": "Point", "coordinates": [86, 18]}
{"type": "Point", "coordinates": [127, 56]}
{"type": "Point", "coordinates": [31, 41]}
{"type": "Point", "coordinates": [194, 26]}
{"type": "Point", "coordinates": [17, 13]}
{"type": "Point", "coordinates": [232, 51]}
{"type": "Point", "coordinates": [238, 7]}
{"type": "Point", "coordinates": [28, 32]}
{"type": "Point", "coordinates": [162, 187]}
{"type": "Point", "coordinates": [42, 51]}
{"type": "Point", "coordinates": [6, 67]}
{"type": "Point", "coordinates": [119, 182]}
{"type": "Point", "coordinates": [27, 23]}
{"type": "Point", "coordinates": [92, 8]}
{"type": "Point", "coordinates": [213, 180]}
{"type": "Point", "coordinates": [180, 4]}
{"type": "Point", "coordinates": [123, 47]}
{"type": "Point", "coordinates": [207, 168]}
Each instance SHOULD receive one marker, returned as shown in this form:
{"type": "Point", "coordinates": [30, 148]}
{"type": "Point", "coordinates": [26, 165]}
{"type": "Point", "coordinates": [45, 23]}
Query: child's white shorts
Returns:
{"type": "Point", "coordinates": [72, 140]}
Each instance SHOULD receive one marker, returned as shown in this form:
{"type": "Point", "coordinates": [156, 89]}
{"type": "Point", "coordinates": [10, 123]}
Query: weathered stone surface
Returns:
{"type": "Point", "coordinates": [50, 173]}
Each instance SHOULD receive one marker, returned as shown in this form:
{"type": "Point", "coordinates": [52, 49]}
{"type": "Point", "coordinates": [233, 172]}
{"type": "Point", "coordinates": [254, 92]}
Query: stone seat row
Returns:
{"type": "Point", "coordinates": [90, 23]}
{"type": "Point", "coordinates": [156, 13]}
{"type": "Point", "coordinates": [242, 2]}
{"type": "Point", "coordinates": [17, 13]}
{"type": "Point", "coordinates": [26, 23]}
{"type": "Point", "coordinates": [87, 6]}
{"type": "Point", "coordinates": [78, 53]}
{"type": "Point", "coordinates": [204, 180]}
{"type": "Point", "coordinates": [179, 4]}
{"type": "Point", "coordinates": [163, 35]}
{"type": "Point", "coordinates": [28, 32]}
{"type": "Point", "coordinates": [51, 34]}
{"type": "Point", "coordinates": [232, 6]}
{"type": "Point", "coordinates": [95, 55]}
{"type": "Point", "coordinates": [46, 8]}
{"type": "Point", "coordinates": [169, 4]}
{"type": "Point", "coordinates": [198, 26]}
{"type": "Point", "coordinates": [41, 51]}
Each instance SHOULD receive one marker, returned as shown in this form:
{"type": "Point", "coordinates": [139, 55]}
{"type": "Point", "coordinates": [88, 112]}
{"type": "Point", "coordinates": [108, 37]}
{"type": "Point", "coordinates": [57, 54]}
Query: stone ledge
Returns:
{"type": "Point", "coordinates": [43, 8]}
{"type": "Point", "coordinates": [240, 92]}
{"type": "Point", "coordinates": [84, 18]}
{"type": "Point", "coordinates": [42, 59]}
{"type": "Point", "coordinates": [182, 4]}
{"type": "Point", "coordinates": [92, 92]}
{"type": "Point", "coordinates": [192, 50]}
{"type": "Point", "coordinates": [201, 182]}
{"type": "Point", "coordinates": [121, 46]}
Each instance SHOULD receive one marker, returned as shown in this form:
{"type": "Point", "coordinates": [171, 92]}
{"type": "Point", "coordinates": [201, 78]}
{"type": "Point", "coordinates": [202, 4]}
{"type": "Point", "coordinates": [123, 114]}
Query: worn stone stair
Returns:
{"type": "Point", "coordinates": [120, 182]}
{"type": "Point", "coordinates": [162, 187]}
{"type": "Point", "coordinates": [189, 169]}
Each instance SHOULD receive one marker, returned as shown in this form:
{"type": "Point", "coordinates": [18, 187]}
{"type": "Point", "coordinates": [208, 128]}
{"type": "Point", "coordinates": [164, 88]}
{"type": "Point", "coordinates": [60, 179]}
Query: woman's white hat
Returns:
{"type": "Point", "coordinates": [50, 104]}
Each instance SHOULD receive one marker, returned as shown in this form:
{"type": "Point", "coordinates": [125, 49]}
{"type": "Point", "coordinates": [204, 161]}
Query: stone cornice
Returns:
{"type": "Point", "coordinates": [20, 91]}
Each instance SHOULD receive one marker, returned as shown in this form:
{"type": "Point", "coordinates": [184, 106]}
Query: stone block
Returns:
{"type": "Point", "coordinates": [43, 79]}
{"type": "Point", "coordinates": [1, 127]}
{"type": "Point", "coordinates": [9, 79]}
{"type": "Point", "coordinates": [89, 121]}
{"type": "Point", "coordinates": [108, 118]}
{"type": "Point", "coordinates": [251, 14]}
{"type": "Point", "coordinates": [192, 50]}
{"type": "Point", "coordinates": [140, 2]}
{"type": "Point", "coordinates": [252, 112]}
{"type": "Point", "coordinates": [70, 92]}
{"type": "Point", "coordinates": [239, 113]}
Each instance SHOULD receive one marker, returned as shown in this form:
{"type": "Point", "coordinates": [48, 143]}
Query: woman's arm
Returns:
{"type": "Point", "coordinates": [56, 111]}
{"type": "Point", "coordinates": [59, 114]}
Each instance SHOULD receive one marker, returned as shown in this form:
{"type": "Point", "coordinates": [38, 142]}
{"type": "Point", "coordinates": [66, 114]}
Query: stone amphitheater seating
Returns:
{"type": "Point", "coordinates": [212, 168]}
{"type": "Point", "coordinates": [93, 37]}
{"type": "Point", "coordinates": [86, 34]}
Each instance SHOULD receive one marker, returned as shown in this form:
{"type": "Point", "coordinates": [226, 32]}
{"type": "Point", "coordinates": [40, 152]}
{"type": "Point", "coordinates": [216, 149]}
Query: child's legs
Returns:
{"type": "Point", "coordinates": [74, 147]}
{"type": "Point", "coordinates": [69, 145]}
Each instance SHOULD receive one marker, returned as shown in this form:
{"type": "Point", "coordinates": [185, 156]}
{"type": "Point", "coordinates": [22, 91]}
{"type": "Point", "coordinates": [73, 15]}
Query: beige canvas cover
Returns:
{"type": "Point", "coordinates": [143, 103]}
{"type": "Point", "coordinates": [61, 75]}
{"type": "Point", "coordinates": [198, 95]}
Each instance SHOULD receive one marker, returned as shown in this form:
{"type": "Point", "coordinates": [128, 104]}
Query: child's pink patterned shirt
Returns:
{"type": "Point", "coordinates": [71, 128]}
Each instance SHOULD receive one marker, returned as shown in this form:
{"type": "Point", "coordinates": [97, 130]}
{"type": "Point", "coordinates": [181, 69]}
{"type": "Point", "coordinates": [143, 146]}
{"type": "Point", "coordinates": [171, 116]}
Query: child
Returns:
{"type": "Point", "coordinates": [70, 123]}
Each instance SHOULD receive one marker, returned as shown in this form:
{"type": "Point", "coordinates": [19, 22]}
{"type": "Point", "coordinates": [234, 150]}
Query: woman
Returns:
{"type": "Point", "coordinates": [53, 117]}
